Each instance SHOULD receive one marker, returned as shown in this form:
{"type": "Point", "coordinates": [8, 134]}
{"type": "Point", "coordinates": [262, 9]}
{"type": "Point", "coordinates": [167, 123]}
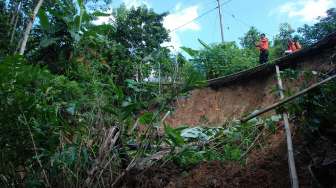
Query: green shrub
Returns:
{"type": "Point", "coordinates": [48, 118]}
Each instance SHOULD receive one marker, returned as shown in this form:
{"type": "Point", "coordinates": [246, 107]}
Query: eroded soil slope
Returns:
{"type": "Point", "coordinates": [213, 107]}
{"type": "Point", "coordinates": [267, 165]}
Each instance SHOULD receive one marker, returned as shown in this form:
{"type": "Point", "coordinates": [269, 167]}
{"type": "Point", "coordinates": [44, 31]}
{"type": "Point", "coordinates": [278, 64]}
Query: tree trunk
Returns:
{"type": "Point", "coordinates": [13, 29]}
{"type": "Point", "coordinates": [29, 27]}
{"type": "Point", "coordinates": [15, 12]}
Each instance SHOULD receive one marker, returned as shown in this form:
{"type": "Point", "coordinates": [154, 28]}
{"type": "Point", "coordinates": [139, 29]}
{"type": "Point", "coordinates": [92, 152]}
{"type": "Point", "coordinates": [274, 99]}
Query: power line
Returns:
{"type": "Point", "coordinates": [200, 16]}
{"type": "Point", "coordinates": [226, 2]}
{"type": "Point", "coordinates": [181, 10]}
{"type": "Point", "coordinates": [237, 19]}
{"type": "Point", "coordinates": [242, 22]}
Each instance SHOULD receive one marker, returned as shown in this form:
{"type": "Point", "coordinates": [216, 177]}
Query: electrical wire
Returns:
{"type": "Point", "coordinates": [181, 10]}
{"type": "Point", "coordinates": [242, 22]}
{"type": "Point", "coordinates": [226, 2]}
{"type": "Point", "coordinates": [237, 19]}
{"type": "Point", "coordinates": [200, 16]}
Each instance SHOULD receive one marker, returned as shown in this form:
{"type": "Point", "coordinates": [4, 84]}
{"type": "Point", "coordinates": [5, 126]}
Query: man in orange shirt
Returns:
{"type": "Point", "coordinates": [263, 47]}
{"type": "Point", "coordinates": [297, 44]}
{"type": "Point", "coordinates": [291, 46]}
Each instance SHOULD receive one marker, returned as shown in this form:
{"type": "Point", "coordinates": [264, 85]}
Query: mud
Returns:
{"type": "Point", "coordinates": [210, 107]}
{"type": "Point", "coordinates": [265, 167]}
{"type": "Point", "coordinates": [213, 107]}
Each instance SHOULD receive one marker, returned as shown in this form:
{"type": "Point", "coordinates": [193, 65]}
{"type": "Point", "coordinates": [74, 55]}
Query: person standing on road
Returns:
{"type": "Point", "coordinates": [263, 48]}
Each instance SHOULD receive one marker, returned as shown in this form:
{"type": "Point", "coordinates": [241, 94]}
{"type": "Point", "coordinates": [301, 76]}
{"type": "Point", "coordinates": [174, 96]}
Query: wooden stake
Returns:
{"type": "Point", "coordinates": [289, 99]}
{"type": "Point", "coordinates": [291, 160]}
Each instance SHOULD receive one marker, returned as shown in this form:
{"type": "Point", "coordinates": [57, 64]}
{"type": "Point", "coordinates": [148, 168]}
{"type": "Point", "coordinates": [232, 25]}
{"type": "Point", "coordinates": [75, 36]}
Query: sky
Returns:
{"type": "Point", "coordinates": [238, 17]}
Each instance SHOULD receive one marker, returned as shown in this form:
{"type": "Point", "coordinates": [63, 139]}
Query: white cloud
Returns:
{"type": "Point", "coordinates": [175, 42]}
{"type": "Point", "coordinates": [177, 19]}
{"type": "Point", "coordinates": [135, 3]}
{"type": "Point", "coordinates": [129, 4]}
{"type": "Point", "coordinates": [110, 19]}
{"type": "Point", "coordinates": [104, 20]}
{"type": "Point", "coordinates": [178, 6]}
{"type": "Point", "coordinates": [306, 10]}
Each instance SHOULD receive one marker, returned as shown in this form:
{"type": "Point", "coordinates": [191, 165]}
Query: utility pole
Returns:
{"type": "Point", "coordinates": [220, 20]}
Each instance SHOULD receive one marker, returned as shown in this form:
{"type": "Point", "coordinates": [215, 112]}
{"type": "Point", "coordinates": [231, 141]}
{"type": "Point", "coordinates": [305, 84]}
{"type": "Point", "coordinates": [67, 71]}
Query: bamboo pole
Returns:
{"type": "Point", "coordinates": [291, 160]}
{"type": "Point", "coordinates": [286, 100]}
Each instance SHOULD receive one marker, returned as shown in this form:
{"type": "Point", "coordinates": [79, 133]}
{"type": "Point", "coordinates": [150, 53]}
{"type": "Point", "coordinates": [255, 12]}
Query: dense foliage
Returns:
{"type": "Point", "coordinates": [222, 59]}
{"type": "Point", "coordinates": [231, 143]}
{"type": "Point", "coordinates": [315, 117]}
{"type": "Point", "coordinates": [76, 81]}
{"type": "Point", "coordinates": [325, 26]}
{"type": "Point", "coordinates": [316, 111]}
{"type": "Point", "coordinates": [250, 39]}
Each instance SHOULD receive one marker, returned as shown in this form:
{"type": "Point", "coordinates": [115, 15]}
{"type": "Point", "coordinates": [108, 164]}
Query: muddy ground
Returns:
{"type": "Point", "coordinates": [213, 107]}
{"type": "Point", "coordinates": [266, 167]}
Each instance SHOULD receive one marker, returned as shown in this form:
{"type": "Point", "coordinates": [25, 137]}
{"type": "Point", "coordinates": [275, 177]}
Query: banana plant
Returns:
{"type": "Point", "coordinates": [74, 14]}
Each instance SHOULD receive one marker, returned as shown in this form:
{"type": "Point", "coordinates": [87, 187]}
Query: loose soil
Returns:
{"type": "Point", "coordinates": [266, 167]}
{"type": "Point", "coordinates": [211, 107]}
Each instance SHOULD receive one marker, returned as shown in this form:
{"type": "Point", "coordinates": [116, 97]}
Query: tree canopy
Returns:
{"type": "Point", "coordinates": [250, 38]}
{"type": "Point", "coordinates": [323, 27]}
